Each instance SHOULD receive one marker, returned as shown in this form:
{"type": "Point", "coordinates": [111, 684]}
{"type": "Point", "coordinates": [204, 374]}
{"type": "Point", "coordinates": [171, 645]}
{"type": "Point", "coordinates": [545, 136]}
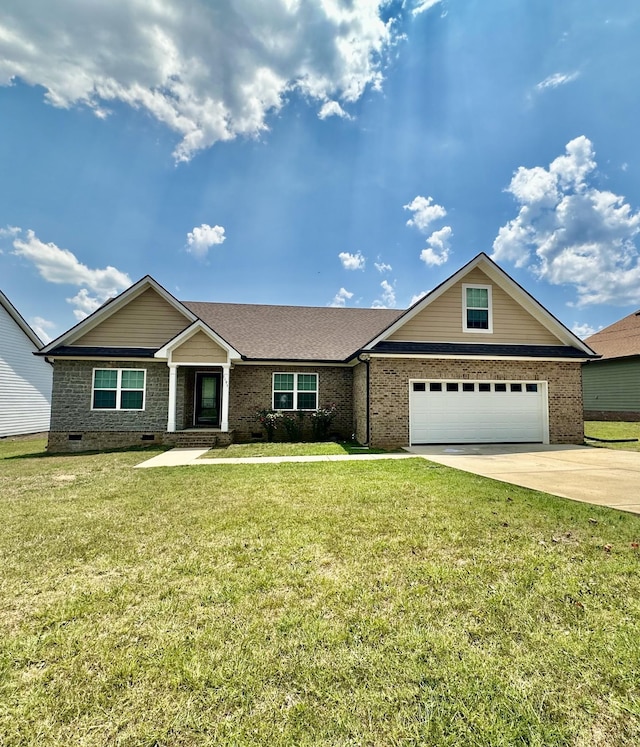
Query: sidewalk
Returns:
{"type": "Point", "coordinates": [180, 457]}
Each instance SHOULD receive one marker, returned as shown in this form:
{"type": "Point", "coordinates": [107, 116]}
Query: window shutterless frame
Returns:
{"type": "Point", "coordinates": [294, 391]}
{"type": "Point", "coordinates": [477, 308]}
{"type": "Point", "coordinates": [118, 389]}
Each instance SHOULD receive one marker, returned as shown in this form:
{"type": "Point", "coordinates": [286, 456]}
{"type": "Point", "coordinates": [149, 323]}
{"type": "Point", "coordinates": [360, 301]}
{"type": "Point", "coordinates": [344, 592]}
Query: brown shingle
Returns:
{"type": "Point", "coordinates": [618, 340]}
{"type": "Point", "coordinates": [293, 332]}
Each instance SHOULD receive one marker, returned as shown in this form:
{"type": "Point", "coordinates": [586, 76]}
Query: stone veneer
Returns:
{"type": "Point", "coordinates": [389, 392]}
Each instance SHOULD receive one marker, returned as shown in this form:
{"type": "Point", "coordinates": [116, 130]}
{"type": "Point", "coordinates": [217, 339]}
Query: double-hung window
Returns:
{"type": "Point", "coordinates": [118, 389]}
{"type": "Point", "coordinates": [295, 391]}
{"type": "Point", "coordinates": [476, 302]}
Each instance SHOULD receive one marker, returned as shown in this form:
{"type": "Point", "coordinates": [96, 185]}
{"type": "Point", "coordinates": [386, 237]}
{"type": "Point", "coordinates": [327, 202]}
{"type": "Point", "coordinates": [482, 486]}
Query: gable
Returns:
{"type": "Point", "coordinates": [442, 319]}
{"type": "Point", "coordinates": [199, 348]}
{"type": "Point", "coordinates": [147, 321]}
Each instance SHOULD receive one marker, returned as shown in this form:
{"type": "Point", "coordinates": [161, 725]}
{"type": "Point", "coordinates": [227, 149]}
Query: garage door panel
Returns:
{"type": "Point", "coordinates": [479, 417]}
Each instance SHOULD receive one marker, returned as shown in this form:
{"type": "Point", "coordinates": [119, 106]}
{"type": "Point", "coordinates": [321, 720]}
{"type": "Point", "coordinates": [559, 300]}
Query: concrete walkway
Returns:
{"type": "Point", "coordinates": [177, 457]}
{"type": "Point", "coordinates": [604, 477]}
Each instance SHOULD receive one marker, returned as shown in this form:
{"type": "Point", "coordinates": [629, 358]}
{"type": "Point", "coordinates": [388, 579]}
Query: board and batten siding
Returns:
{"type": "Point", "coordinates": [147, 321]}
{"type": "Point", "coordinates": [612, 385]}
{"type": "Point", "coordinates": [199, 349]}
{"type": "Point", "coordinates": [441, 320]}
{"type": "Point", "coordinates": [25, 382]}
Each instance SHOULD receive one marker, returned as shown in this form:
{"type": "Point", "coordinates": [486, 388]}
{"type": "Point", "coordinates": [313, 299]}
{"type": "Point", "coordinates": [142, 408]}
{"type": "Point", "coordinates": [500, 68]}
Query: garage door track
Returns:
{"type": "Point", "coordinates": [605, 477]}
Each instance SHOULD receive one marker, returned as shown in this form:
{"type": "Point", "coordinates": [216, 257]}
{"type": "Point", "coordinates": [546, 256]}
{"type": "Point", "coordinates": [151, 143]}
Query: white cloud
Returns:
{"type": "Point", "coordinates": [352, 261]}
{"type": "Point", "coordinates": [583, 330]}
{"type": "Point", "coordinates": [62, 267]}
{"type": "Point", "coordinates": [557, 79]}
{"type": "Point", "coordinates": [417, 297]}
{"type": "Point", "coordinates": [437, 251]}
{"type": "Point", "coordinates": [425, 211]}
{"type": "Point", "coordinates": [570, 233]}
{"type": "Point", "coordinates": [202, 238]}
{"type": "Point", "coordinates": [42, 327]}
{"type": "Point", "coordinates": [382, 267]}
{"type": "Point", "coordinates": [387, 299]}
{"type": "Point", "coordinates": [341, 297]}
{"type": "Point", "coordinates": [210, 71]}
{"type": "Point", "coordinates": [423, 5]}
{"type": "Point", "coordinates": [333, 109]}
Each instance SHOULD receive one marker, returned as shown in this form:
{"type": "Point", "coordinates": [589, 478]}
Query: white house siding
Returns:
{"type": "Point", "coordinates": [25, 382]}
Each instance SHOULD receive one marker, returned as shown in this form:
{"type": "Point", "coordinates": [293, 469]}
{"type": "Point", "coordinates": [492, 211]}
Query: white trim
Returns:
{"type": "Point", "coordinates": [295, 391]}
{"type": "Point", "coordinates": [465, 308]}
{"type": "Point", "coordinates": [224, 414]}
{"type": "Point", "coordinates": [171, 407]}
{"type": "Point", "coordinates": [119, 390]}
{"type": "Point", "coordinates": [110, 308]}
{"type": "Point", "coordinates": [166, 351]}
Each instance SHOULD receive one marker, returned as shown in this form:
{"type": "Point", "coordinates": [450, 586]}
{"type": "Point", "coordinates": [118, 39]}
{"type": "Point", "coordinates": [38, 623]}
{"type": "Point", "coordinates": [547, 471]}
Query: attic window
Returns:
{"type": "Point", "coordinates": [476, 303]}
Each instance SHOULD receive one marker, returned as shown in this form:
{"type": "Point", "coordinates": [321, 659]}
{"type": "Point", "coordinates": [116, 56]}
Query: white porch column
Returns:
{"type": "Point", "coordinates": [224, 415]}
{"type": "Point", "coordinates": [173, 387]}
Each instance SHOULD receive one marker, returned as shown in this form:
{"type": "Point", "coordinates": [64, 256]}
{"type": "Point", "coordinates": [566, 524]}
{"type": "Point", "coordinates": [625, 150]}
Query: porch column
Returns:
{"type": "Point", "coordinates": [173, 386]}
{"type": "Point", "coordinates": [224, 415]}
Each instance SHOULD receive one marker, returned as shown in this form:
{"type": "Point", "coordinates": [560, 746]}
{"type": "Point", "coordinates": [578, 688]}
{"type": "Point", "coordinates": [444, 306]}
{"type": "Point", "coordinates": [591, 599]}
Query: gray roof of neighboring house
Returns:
{"type": "Point", "coordinates": [318, 333]}
{"type": "Point", "coordinates": [619, 340]}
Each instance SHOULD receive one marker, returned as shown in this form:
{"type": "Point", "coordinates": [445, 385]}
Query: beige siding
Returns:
{"type": "Point", "coordinates": [199, 349]}
{"type": "Point", "coordinates": [441, 320]}
{"type": "Point", "coordinates": [147, 321]}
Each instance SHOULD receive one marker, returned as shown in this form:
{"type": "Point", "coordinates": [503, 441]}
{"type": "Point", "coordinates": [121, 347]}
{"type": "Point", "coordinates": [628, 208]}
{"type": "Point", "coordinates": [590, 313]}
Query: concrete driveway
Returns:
{"type": "Point", "coordinates": [605, 477]}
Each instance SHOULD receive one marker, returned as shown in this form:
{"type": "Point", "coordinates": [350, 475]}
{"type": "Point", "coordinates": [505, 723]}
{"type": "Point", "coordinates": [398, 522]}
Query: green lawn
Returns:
{"type": "Point", "coordinates": [265, 448]}
{"type": "Point", "coordinates": [352, 603]}
{"type": "Point", "coordinates": [613, 430]}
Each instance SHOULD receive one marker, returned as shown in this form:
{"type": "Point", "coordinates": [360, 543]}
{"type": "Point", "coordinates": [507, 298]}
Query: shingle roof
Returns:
{"type": "Point", "coordinates": [321, 333]}
{"type": "Point", "coordinates": [485, 350]}
{"type": "Point", "coordinates": [618, 340]}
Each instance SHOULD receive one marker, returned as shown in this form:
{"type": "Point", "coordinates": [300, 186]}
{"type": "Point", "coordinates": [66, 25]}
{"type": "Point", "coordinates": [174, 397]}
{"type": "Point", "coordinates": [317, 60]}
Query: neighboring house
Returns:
{"type": "Point", "coordinates": [25, 380]}
{"type": "Point", "coordinates": [476, 360]}
{"type": "Point", "coordinates": [611, 385]}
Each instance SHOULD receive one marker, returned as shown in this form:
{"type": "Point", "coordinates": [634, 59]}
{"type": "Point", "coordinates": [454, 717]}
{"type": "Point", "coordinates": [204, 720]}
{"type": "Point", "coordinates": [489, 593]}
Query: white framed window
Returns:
{"type": "Point", "coordinates": [477, 308]}
{"type": "Point", "coordinates": [118, 389]}
{"type": "Point", "coordinates": [295, 391]}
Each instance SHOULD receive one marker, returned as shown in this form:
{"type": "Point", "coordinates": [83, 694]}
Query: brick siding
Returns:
{"type": "Point", "coordinates": [389, 395]}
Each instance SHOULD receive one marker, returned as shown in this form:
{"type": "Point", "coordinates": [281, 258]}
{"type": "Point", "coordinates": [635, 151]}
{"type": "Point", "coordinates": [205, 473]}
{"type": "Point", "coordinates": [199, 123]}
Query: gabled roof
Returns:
{"type": "Point", "coordinates": [619, 340]}
{"type": "Point", "coordinates": [565, 336]}
{"type": "Point", "coordinates": [293, 333]}
{"type": "Point", "coordinates": [19, 320]}
{"type": "Point", "coordinates": [186, 334]}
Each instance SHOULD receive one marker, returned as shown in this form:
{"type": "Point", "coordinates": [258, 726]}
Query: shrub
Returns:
{"type": "Point", "coordinates": [293, 424]}
{"type": "Point", "coordinates": [321, 421]}
{"type": "Point", "coordinates": [268, 419]}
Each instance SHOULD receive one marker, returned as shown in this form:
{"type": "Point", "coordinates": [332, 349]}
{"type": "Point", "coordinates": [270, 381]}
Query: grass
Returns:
{"type": "Point", "coordinates": [265, 448]}
{"type": "Point", "coordinates": [352, 603]}
{"type": "Point", "coordinates": [613, 430]}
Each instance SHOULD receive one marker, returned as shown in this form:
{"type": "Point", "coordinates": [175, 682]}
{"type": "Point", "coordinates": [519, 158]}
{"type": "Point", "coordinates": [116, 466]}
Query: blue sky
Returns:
{"type": "Point", "coordinates": [316, 152]}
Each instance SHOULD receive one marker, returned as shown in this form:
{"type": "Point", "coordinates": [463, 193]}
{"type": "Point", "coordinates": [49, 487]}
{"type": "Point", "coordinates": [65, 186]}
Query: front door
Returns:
{"type": "Point", "coordinates": [207, 409]}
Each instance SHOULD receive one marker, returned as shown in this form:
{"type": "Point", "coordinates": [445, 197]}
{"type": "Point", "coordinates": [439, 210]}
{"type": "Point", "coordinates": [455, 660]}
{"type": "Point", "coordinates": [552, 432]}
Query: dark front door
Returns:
{"type": "Point", "coordinates": [207, 412]}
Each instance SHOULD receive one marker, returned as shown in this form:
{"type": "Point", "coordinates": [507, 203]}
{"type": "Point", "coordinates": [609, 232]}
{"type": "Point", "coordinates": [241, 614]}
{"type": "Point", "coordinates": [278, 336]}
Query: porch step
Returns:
{"type": "Point", "coordinates": [199, 439]}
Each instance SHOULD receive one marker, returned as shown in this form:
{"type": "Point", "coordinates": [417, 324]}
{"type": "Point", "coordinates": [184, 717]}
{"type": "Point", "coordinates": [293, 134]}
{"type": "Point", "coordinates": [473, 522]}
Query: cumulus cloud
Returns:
{"type": "Point", "coordinates": [584, 330]}
{"type": "Point", "coordinates": [42, 327]}
{"type": "Point", "coordinates": [352, 261]}
{"type": "Point", "coordinates": [569, 232]}
{"type": "Point", "coordinates": [417, 297]}
{"type": "Point", "coordinates": [557, 79]}
{"type": "Point", "coordinates": [382, 267]}
{"type": "Point", "coordinates": [202, 238]}
{"type": "Point", "coordinates": [62, 267]}
{"type": "Point", "coordinates": [387, 299]}
{"type": "Point", "coordinates": [341, 297]}
{"type": "Point", "coordinates": [425, 211]}
{"type": "Point", "coordinates": [423, 5]}
{"type": "Point", "coordinates": [438, 247]}
{"type": "Point", "coordinates": [333, 109]}
{"type": "Point", "coordinates": [210, 71]}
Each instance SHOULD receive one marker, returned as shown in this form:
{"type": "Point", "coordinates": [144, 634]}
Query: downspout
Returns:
{"type": "Point", "coordinates": [366, 358]}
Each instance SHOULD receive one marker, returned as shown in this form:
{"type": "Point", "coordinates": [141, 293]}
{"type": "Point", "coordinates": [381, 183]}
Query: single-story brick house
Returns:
{"type": "Point", "coordinates": [478, 359]}
{"type": "Point", "coordinates": [611, 385]}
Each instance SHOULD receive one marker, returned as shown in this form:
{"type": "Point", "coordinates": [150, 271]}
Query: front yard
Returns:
{"type": "Point", "coordinates": [352, 603]}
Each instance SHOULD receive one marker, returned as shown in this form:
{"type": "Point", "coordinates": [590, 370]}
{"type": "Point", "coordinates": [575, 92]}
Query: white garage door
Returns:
{"type": "Point", "coordinates": [450, 412]}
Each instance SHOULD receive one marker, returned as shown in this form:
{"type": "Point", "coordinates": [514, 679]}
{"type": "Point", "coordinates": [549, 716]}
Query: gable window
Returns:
{"type": "Point", "coordinates": [118, 389]}
{"type": "Point", "coordinates": [295, 391]}
{"type": "Point", "coordinates": [476, 300]}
